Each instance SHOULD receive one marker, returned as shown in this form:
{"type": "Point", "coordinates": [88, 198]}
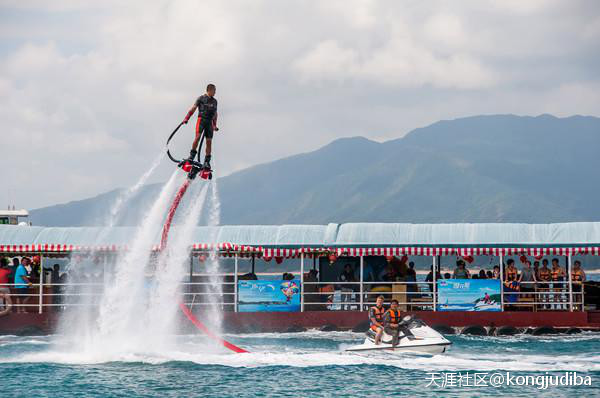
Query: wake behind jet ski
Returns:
{"type": "Point", "coordinates": [414, 336]}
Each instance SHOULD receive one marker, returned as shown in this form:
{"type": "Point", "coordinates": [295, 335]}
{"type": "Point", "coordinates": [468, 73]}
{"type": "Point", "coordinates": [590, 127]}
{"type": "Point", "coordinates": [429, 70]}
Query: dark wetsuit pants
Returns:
{"type": "Point", "coordinates": [206, 127]}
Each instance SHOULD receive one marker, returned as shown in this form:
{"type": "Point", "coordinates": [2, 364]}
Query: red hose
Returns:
{"type": "Point", "coordinates": [171, 213]}
{"type": "Point", "coordinates": [203, 328]}
{"type": "Point", "coordinates": [184, 308]}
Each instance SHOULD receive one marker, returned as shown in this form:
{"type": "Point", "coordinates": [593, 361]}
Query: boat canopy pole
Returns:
{"type": "Point", "coordinates": [502, 282]}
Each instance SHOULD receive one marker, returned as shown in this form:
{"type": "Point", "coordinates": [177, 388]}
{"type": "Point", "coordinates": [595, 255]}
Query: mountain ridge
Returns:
{"type": "Point", "coordinates": [485, 168]}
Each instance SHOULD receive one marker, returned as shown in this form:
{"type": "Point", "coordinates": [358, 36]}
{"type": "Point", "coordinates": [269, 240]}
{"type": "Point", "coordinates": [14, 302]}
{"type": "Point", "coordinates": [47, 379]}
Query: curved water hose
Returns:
{"type": "Point", "coordinates": [173, 159]}
{"type": "Point", "coordinates": [163, 244]}
{"type": "Point", "coordinates": [207, 331]}
{"type": "Point", "coordinates": [169, 140]}
{"type": "Point", "coordinates": [167, 226]}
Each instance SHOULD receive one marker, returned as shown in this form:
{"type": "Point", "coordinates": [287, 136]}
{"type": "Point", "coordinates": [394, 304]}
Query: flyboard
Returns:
{"type": "Point", "coordinates": [192, 168]}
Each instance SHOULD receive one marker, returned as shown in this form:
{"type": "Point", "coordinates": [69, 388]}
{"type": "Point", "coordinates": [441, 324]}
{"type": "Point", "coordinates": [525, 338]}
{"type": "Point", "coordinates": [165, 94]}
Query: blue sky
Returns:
{"type": "Point", "coordinates": [90, 90]}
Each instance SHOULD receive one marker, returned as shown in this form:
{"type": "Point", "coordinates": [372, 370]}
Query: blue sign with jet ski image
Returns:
{"type": "Point", "coordinates": [468, 295]}
{"type": "Point", "coordinates": [269, 296]}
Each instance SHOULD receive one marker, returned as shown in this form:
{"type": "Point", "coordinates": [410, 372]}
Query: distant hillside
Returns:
{"type": "Point", "coordinates": [499, 168]}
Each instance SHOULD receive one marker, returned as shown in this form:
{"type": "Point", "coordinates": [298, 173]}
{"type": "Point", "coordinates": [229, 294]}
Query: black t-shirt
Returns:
{"type": "Point", "coordinates": [207, 107]}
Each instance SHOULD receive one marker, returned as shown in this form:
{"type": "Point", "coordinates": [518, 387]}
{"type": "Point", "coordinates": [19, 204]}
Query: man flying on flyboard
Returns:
{"type": "Point", "coordinates": [207, 123]}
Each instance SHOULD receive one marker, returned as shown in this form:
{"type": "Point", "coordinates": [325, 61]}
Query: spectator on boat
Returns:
{"type": "Point", "coordinates": [22, 288]}
{"type": "Point", "coordinates": [511, 282]}
{"type": "Point", "coordinates": [5, 286]}
{"type": "Point", "coordinates": [368, 272]}
{"type": "Point", "coordinates": [544, 277]}
{"type": "Point", "coordinates": [461, 271]}
{"type": "Point", "coordinates": [557, 275]}
{"type": "Point", "coordinates": [391, 321]}
{"type": "Point", "coordinates": [536, 269]}
{"type": "Point", "coordinates": [411, 274]}
{"type": "Point", "coordinates": [388, 274]}
{"type": "Point", "coordinates": [527, 279]}
{"type": "Point", "coordinates": [13, 268]}
{"type": "Point", "coordinates": [429, 277]}
{"type": "Point", "coordinates": [543, 274]}
{"type": "Point", "coordinates": [4, 266]}
{"type": "Point", "coordinates": [489, 274]}
{"type": "Point", "coordinates": [411, 278]}
{"type": "Point", "coordinates": [399, 267]}
{"type": "Point", "coordinates": [56, 281]}
{"type": "Point", "coordinates": [577, 278]}
{"type": "Point", "coordinates": [376, 314]}
{"type": "Point", "coordinates": [510, 272]}
{"type": "Point", "coordinates": [347, 277]}
{"type": "Point", "coordinates": [496, 272]}
{"type": "Point", "coordinates": [482, 274]}
{"type": "Point", "coordinates": [447, 275]}
{"type": "Point", "coordinates": [36, 265]}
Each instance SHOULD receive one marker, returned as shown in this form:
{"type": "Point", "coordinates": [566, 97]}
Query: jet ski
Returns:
{"type": "Point", "coordinates": [414, 337]}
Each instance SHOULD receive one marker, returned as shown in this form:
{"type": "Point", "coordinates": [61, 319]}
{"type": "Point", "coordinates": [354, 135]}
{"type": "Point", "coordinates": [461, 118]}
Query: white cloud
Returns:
{"type": "Point", "coordinates": [105, 82]}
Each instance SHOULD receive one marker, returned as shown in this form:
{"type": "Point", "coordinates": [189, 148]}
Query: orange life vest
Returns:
{"type": "Point", "coordinates": [577, 275]}
{"type": "Point", "coordinates": [556, 273]}
{"type": "Point", "coordinates": [378, 313]}
{"type": "Point", "coordinates": [544, 274]}
{"type": "Point", "coordinates": [511, 274]}
{"type": "Point", "coordinates": [394, 316]}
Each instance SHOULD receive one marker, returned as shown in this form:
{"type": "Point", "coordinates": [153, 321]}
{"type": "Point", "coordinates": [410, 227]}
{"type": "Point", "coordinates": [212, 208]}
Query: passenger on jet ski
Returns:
{"type": "Point", "coordinates": [391, 321]}
{"type": "Point", "coordinates": [376, 314]}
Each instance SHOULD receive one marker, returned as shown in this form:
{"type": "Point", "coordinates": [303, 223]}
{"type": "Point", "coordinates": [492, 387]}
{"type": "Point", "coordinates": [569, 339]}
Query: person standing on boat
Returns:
{"type": "Point", "coordinates": [578, 278]}
{"type": "Point", "coordinates": [376, 314]}
{"type": "Point", "coordinates": [461, 271]}
{"type": "Point", "coordinates": [207, 122]}
{"type": "Point", "coordinates": [544, 276]}
{"type": "Point", "coordinates": [557, 274]}
{"type": "Point", "coordinates": [391, 321]}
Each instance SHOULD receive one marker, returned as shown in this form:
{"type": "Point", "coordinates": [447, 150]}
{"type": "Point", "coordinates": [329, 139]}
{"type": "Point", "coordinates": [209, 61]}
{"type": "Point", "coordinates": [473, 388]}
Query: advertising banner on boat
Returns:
{"type": "Point", "coordinates": [269, 296]}
{"type": "Point", "coordinates": [468, 295]}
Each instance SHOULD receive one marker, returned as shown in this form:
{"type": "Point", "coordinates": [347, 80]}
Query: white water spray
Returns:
{"type": "Point", "coordinates": [214, 311]}
{"type": "Point", "coordinates": [171, 268]}
{"type": "Point", "coordinates": [124, 295]}
{"type": "Point", "coordinates": [137, 311]}
{"type": "Point", "coordinates": [124, 197]}
{"type": "Point", "coordinates": [118, 329]}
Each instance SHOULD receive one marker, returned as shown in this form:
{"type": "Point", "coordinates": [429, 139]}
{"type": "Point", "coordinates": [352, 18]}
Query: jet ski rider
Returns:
{"type": "Point", "coordinates": [391, 321]}
{"type": "Point", "coordinates": [376, 318]}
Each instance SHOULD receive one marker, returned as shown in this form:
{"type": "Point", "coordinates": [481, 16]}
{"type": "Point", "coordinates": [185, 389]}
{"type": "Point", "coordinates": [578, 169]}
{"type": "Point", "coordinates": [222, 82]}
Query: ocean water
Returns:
{"type": "Point", "coordinates": [308, 364]}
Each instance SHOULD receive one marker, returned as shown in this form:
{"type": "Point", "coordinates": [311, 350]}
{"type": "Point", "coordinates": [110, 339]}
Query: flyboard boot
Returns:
{"type": "Point", "coordinates": [193, 154]}
{"type": "Point", "coordinates": [206, 172]}
{"type": "Point", "coordinates": [207, 162]}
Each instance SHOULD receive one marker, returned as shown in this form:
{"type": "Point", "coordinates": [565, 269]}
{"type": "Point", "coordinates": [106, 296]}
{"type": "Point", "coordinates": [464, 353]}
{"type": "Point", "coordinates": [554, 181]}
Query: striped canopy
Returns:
{"type": "Point", "coordinates": [353, 239]}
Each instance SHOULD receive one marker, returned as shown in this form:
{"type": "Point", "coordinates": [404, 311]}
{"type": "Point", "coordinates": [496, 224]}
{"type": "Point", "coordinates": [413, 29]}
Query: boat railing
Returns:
{"type": "Point", "coordinates": [315, 295]}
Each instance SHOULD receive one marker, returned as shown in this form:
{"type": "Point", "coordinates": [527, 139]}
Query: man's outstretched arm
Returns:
{"type": "Point", "coordinates": [190, 113]}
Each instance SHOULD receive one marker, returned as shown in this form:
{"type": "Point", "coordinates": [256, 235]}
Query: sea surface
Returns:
{"type": "Point", "coordinates": [307, 364]}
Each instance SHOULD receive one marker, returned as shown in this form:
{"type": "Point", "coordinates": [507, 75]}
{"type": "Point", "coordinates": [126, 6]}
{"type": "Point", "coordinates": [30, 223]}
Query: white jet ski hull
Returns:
{"type": "Point", "coordinates": [422, 339]}
{"type": "Point", "coordinates": [423, 348]}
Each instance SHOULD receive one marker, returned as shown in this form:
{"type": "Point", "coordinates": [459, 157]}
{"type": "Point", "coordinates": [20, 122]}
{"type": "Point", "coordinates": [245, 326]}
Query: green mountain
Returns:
{"type": "Point", "coordinates": [497, 168]}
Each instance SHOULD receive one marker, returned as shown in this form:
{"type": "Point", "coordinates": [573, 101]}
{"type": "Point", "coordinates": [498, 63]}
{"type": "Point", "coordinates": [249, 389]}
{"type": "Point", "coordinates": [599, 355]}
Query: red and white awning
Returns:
{"type": "Point", "coordinates": [467, 251]}
{"type": "Point", "coordinates": [229, 249]}
{"type": "Point", "coordinates": [60, 248]}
